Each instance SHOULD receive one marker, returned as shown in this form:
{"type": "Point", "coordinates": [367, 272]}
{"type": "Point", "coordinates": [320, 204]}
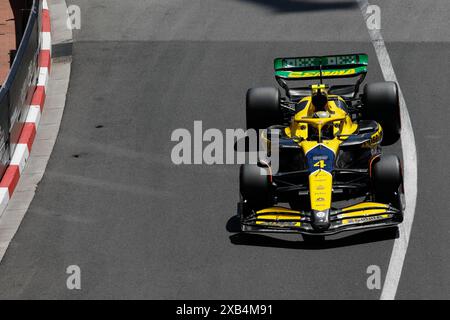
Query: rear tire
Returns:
{"type": "Point", "coordinates": [263, 108]}
{"type": "Point", "coordinates": [381, 103]}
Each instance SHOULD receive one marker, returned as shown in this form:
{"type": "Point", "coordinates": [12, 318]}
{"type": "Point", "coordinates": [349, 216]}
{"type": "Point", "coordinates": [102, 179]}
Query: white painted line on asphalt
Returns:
{"type": "Point", "coordinates": [409, 166]}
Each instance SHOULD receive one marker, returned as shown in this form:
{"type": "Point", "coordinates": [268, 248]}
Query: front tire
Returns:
{"type": "Point", "coordinates": [387, 180]}
{"type": "Point", "coordinates": [255, 187]}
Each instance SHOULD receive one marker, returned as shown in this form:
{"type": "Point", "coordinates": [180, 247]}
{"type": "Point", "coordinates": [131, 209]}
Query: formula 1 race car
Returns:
{"type": "Point", "coordinates": [329, 141]}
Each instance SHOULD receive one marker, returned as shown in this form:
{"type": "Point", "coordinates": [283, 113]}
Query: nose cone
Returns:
{"type": "Point", "coordinates": [321, 220]}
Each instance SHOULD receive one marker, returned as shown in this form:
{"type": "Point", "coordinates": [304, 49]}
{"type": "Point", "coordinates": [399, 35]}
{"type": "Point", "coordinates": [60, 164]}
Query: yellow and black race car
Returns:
{"type": "Point", "coordinates": [331, 175]}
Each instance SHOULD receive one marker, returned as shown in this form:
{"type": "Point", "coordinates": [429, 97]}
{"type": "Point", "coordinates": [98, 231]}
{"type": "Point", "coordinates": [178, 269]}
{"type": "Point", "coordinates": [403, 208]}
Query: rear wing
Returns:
{"type": "Point", "coordinates": [308, 68]}
{"type": "Point", "coordinates": [321, 67]}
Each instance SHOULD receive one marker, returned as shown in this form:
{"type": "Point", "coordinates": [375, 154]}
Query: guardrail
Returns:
{"type": "Point", "coordinates": [17, 91]}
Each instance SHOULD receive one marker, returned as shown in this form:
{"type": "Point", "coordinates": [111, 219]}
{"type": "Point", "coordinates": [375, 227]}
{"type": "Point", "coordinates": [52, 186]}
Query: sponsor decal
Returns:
{"type": "Point", "coordinates": [366, 219]}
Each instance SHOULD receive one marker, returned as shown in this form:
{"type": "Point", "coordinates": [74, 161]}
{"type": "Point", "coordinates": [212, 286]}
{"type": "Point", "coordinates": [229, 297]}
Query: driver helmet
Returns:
{"type": "Point", "coordinates": [319, 97]}
{"type": "Point", "coordinates": [321, 114]}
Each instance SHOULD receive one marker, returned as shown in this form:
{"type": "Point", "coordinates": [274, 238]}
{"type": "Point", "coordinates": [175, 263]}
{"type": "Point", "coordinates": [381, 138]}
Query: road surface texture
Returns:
{"type": "Point", "coordinates": [113, 203]}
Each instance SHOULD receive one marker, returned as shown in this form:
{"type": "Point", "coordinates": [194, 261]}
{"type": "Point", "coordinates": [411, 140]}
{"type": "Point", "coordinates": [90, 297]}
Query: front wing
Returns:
{"type": "Point", "coordinates": [365, 215]}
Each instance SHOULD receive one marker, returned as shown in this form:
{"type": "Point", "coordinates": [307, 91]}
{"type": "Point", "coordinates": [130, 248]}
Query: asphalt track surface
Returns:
{"type": "Point", "coordinates": [112, 202]}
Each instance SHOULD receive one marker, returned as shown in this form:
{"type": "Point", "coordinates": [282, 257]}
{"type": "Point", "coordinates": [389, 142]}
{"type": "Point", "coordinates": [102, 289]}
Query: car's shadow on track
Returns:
{"type": "Point", "coordinates": [259, 240]}
{"type": "Point", "coordinates": [290, 6]}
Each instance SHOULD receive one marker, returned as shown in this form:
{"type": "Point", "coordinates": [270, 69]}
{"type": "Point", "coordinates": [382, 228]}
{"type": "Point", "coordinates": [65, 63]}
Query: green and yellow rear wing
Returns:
{"type": "Point", "coordinates": [326, 67]}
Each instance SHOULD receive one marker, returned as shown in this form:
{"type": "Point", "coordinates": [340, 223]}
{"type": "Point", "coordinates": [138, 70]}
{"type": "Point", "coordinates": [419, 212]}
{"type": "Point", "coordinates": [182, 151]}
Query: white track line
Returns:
{"type": "Point", "coordinates": [409, 166]}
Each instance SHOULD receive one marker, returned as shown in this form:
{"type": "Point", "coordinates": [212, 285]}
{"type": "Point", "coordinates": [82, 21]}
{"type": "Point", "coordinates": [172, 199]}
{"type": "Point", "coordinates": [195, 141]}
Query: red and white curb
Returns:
{"type": "Point", "coordinates": [23, 149]}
